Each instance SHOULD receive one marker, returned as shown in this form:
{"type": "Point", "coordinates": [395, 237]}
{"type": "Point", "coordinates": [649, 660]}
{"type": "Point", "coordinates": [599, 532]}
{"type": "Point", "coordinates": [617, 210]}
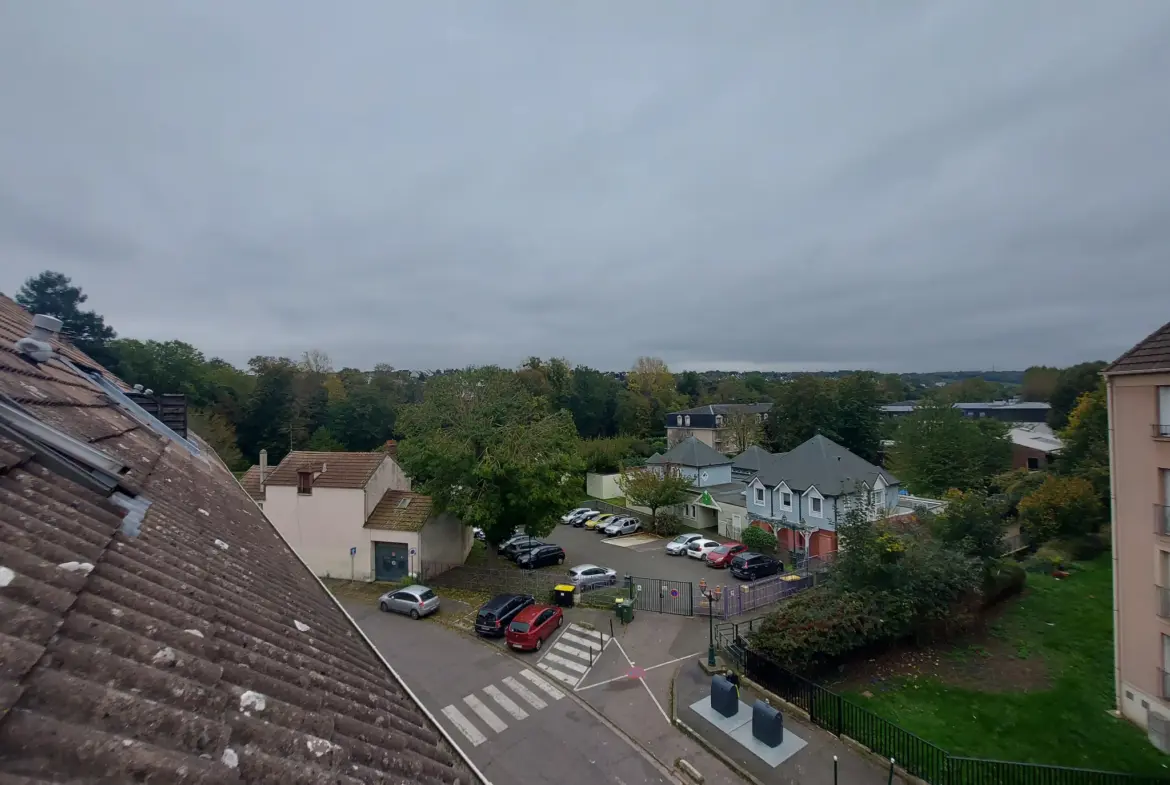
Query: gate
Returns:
{"type": "Point", "coordinates": [660, 595]}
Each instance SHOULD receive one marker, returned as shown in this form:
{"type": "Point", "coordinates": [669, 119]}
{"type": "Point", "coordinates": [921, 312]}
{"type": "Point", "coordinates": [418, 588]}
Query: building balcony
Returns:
{"type": "Point", "coordinates": [1162, 519]}
{"type": "Point", "coordinates": [1163, 601]}
{"type": "Point", "coordinates": [1161, 430]}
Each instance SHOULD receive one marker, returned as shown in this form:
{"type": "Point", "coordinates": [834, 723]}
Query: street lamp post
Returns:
{"type": "Point", "coordinates": [710, 595]}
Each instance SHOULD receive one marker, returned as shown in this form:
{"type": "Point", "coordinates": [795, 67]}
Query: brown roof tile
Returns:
{"type": "Point", "coordinates": [337, 469]}
{"type": "Point", "coordinates": [251, 483]}
{"type": "Point", "coordinates": [400, 511]}
{"type": "Point", "coordinates": [196, 648]}
{"type": "Point", "coordinates": [1151, 355]}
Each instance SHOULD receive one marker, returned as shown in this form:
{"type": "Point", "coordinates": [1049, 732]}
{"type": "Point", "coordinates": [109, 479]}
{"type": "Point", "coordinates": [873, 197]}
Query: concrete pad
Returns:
{"type": "Point", "coordinates": [739, 728]}
{"type": "Point", "coordinates": [725, 724]}
{"type": "Point", "coordinates": [631, 540]}
{"type": "Point", "coordinates": [773, 756]}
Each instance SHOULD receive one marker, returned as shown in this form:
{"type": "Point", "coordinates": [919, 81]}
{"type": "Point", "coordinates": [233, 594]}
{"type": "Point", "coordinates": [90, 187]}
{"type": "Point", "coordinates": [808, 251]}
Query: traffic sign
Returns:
{"type": "Point", "coordinates": [413, 551]}
{"type": "Point", "coordinates": [353, 551]}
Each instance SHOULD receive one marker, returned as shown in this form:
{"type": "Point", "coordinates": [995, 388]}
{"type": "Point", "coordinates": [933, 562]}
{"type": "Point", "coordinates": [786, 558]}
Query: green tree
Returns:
{"type": "Point", "coordinates": [1060, 507]}
{"type": "Point", "coordinates": [973, 524]}
{"type": "Point", "coordinates": [938, 448]}
{"type": "Point", "coordinates": [633, 414]}
{"type": "Point", "coordinates": [1071, 384]}
{"type": "Point", "coordinates": [804, 407]}
{"type": "Point", "coordinates": [1085, 452]}
{"type": "Point", "coordinates": [654, 490]}
{"type": "Point", "coordinates": [364, 419]}
{"type": "Point", "coordinates": [1039, 383]}
{"type": "Point", "coordinates": [165, 367]}
{"type": "Point", "coordinates": [268, 417]}
{"type": "Point", "coordinates": [324, 441]}
{"type": "Point", "coordinates": [53, 294]}
{"type": "Point", "coordinates": [490, 452]}
{"type": "Point", "coordinates": [758, 540]}
{"type": "Point", "coordinates": [858, 414]}
{"type": "Point", "coordinates": [691, 385]}
{"type": "Point", "coordinates": [652, 382]}
{"type": "Point", "coordinates": [745, 429]}
{"type": "Point", "coordinates": [219, 434]}
{"type": "Point", "coordinates": [593, 402]}
{"type": "Point", "coordinates": [974, 389]}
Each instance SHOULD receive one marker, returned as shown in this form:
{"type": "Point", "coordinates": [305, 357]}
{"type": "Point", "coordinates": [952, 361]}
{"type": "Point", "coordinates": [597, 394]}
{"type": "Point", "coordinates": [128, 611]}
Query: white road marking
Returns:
{"type": "Point", "coordinates": [588, 632]}
{"type": "Point", "coordinates": [656, 703]}
{"type": "Point", "coordinates": [506, 703]}
{"type": "Point", "coordinates": [582, 653]}
{"type": "Point", "coordinates": [564, 661]}
{"type": "Point", "coordinates": [569, 637]}
{"type": "Point", "coordinates": [542, 685]}
{"type": "Point", "coordinates": [485, 714]}
{"type": "Point", "coordinates": [558, 675]}
{"type": "Point", "coordinates": [464, 726]}
{"type": "Point", "coordinates": [631, 540]}
{"type": "Point", "coordinates": [525, 693]}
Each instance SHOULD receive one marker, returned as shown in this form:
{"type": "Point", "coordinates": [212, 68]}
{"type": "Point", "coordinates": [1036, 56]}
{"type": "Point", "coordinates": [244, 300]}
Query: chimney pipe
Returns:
{"type": "Point", "coordinates": [38, 344]}
{"type": "Point", "coordinates": [263, 467]}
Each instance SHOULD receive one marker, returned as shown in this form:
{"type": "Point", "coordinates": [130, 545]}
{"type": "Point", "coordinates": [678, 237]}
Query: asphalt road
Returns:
{"type": "Point", "coordinates": [517, 724]}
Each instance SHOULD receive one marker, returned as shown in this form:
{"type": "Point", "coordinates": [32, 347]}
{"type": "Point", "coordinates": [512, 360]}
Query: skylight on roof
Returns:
{"type": "Point", "coordinates": [404, 502]}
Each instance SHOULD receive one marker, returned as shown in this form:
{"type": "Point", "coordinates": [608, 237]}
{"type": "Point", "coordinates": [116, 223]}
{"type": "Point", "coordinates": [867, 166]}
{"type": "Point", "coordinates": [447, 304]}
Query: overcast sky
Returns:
{"type": "Point", "coordinates": [898, 185]}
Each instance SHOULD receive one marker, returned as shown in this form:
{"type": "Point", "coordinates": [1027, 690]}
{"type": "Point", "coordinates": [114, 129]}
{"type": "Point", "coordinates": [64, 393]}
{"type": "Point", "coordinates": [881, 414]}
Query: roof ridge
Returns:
{"type": "Point", "coordinates": [1165, 328]}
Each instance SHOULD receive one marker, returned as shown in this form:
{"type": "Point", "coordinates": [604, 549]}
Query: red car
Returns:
{"type": "Point", "coordinates": [721, 557]}
{"type": "Point", "coordinates": [532, 626]}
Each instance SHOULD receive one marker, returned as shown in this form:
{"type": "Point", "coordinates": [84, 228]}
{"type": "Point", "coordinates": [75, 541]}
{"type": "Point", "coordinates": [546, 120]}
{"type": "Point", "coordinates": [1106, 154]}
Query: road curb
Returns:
{"type": "Point", "coordinates": [694, 734]}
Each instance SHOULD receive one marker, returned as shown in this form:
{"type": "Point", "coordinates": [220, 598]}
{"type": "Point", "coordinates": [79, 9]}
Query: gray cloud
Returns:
{"type": "Point", "coordinates": [757, 184]}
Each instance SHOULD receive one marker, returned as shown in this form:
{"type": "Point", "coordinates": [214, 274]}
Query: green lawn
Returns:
{"type": "Point", "coordinates": [1068, 625]}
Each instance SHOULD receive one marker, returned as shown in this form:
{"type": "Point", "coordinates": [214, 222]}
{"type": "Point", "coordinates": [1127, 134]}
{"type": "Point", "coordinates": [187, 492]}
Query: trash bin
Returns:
{"type": "Point", "coordinates": [563, 595]}
{"type": "Point", "coordinates": [624, 609]}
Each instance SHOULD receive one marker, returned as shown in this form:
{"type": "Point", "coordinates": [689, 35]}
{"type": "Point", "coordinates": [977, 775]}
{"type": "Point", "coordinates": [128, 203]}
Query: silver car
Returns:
{"type": "Point", "coordinates": [587, 576]}
{"type": "Point", "coordinates": [622, 526]}
{"type": "Point", "coordinates": [415, 601]}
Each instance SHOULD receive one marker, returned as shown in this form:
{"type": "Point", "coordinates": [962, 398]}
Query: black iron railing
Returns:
{"type": "Point", "coordinates": [914, 754]}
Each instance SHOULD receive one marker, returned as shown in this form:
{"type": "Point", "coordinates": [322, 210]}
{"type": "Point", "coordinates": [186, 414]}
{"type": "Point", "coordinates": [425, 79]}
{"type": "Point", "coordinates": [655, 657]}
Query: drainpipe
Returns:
{"type": "Point", "coordinates": [1113, 543]}
{"type": "Point", "coordinates": [263, 468]}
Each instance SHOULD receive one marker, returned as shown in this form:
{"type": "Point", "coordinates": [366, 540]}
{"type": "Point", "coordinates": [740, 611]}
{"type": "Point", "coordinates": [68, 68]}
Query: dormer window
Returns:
{"type": "Point", "coordinates": [719, 421]}
{"type": "Point", "coordinates": [305, 483]}
{"type": "Point", "coordinates": [687, 420]}
{"type": "Point", "coordinates": [678, 420]}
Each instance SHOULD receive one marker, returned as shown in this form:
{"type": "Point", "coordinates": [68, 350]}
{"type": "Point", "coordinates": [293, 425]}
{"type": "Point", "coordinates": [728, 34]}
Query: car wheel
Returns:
{"type": "Point", "coordinates": [560, 560]}
{"type": "Point", "coordinates": [560, 620]}
{"type": "Point", "coordinates": [539, 643]}
{"type": "Point", "coordinates": [414, 613]}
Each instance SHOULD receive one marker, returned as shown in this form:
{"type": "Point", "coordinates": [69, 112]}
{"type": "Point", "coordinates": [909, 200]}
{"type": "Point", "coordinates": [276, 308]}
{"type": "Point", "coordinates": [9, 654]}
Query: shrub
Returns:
{"type": "Point", "coordinates": [817, 626]}
{"type": "Point", "coordinates": [1060, 507]}
{"type": "Point", "coordinates": [1006, 579]}
{"type": "Point", "coordinates": [758, 540]}
{"type": "Point", "coordinates": [666, 524]}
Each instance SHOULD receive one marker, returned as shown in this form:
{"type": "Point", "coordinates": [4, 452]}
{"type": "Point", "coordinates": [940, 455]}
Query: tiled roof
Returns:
{"type": "Point", "coordinates": [1151, 355]}
{"type": "Point", "coordinates": [726, 408]}
{"type": "Point", "coordinates": [251, 483]}
{"type": "Point", "coordinates": [691, 452]}
{"type": "Point", "coordinates": [190, 645]}
{"type": "Point", "coordinates": [401, 511]}
{"type": "Point", "coordinates": [822, 463]}
{"type": "Point", "coordinates": [337, 469]}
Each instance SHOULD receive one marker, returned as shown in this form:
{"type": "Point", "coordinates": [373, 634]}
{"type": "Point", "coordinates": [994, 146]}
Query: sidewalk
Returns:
{"type": "Point", "coordinates": [812, 765]}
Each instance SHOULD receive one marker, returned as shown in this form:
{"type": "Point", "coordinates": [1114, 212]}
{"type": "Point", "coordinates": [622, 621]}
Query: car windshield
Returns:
{"type": "Point", "coordinates": [723, 549]}
{"type": "Point", "coordinates": [682, 538]}
{"type": "Point", "coordinates": [518, 626]}
{"type": "Point", "coordinates": [428, 595]}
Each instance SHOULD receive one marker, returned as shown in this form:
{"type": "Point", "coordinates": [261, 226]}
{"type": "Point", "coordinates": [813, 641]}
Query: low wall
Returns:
{"type": "Point", "coordinates": [602, 486]}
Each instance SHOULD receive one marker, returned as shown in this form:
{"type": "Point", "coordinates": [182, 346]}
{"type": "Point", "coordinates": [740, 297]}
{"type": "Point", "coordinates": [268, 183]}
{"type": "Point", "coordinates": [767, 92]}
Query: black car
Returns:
{"type": "Point", "coordinates": [543, 556]}
{"type": "Point", "coordinates": [495, 614]}
{"type": "Point", "coordinates": [752, 566]}
{"type": "Point", "coordinates": [519, 547]}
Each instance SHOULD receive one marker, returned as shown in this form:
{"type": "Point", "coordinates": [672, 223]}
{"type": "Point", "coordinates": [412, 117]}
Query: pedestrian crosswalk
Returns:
{"type": "Point", "coordinates": [530, 693]}
{"type": "Point", "coordinates": [572, 654]}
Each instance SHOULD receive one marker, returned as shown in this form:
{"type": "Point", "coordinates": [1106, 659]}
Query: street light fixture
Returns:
{"type": "Point", "coordinates": [710, 594]}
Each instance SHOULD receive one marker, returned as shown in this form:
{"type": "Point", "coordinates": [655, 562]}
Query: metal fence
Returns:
{"type": "Point", "coordinates": [735, 599]}
{"type": "Point", "coordinates": [917, 756]}
{"type": "Point", "coordinates": [497, 580]}
{"type": "Point", "coordinates": [598, 504]}
{"type": "Point", "coordinates": [660, 595]}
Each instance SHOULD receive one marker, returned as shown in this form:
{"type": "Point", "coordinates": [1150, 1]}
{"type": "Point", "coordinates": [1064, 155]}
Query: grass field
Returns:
{"type": "Point", "coordinates": [1037, 687]}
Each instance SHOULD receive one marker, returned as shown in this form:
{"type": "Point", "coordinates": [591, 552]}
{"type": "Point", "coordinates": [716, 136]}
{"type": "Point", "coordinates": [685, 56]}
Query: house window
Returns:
{"type": "Point", "coordinates": [678, 420]}
{"type": "Point", "coordinates": [719, 421]}
{"type": "Point", "coordinates": [875, 498]}
{"type": "Point", "coordinates": [759, 495]}
{"type": "Point", "coordinates": [1163, 427]}
{"type": "Point", "coordinates": [305, 483]}
{"type": "Point", "coordinates": [816, 507]}
{"type": "Point", "coordinates": [687, 420]}
{"type": "Point", "coordinates": [1033, 464]}
{"type": "Point", "coordinates": [786, 500]}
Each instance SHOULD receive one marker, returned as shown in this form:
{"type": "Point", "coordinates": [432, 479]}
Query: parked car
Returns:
{"type": "Point", "coordinates": [698, 549]}
{"type": "Point", "coordinates": [522, 548]}
{"type": "Point", "coordinates": [599, 522]}
{"type": "Point", "coordinates": [587, 576]}
{"type": "Point", "coordinates": [415, 601]}
{"type": "Point", "coordinates": [543, 556]}
{"type": "Point", "coordinates": [478, 533]}
{"type": "Point", "coordinates": [495, 614]}
{"type": "Point", "coordinates": [579, 520]}
{"type": "Point", "coordinates": [625, 525]}
{"type": "Point", "coordinates": [678, 546]}
{"type": "Point", "coordinates": [721, 557]}
{"type": "Point", "coordinates": [531, 627]}
{"type": "Point", "coordinates": [511, 548]}
{"type": "Point", "coordinates": [749, 566]}
{"type": "Point", "coordinates": [571, 514]}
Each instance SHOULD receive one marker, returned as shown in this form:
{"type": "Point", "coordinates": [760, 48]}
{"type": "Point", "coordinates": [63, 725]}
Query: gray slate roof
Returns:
{"type": "Point", "coordinates": [753, 459]}
{"type": "Point", "coordinates": [691, 452]}
{"type": "Point", "coordinates": [726, 408]}
{"type": "Point", "coordinates": [822, 462]}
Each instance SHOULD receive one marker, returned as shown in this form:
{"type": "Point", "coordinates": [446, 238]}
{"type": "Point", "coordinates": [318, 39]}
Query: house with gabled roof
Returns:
{"type": "Point", "coordinates": [800, 495]}
{"type": "Point", "coordinates": [696, 460]}
{"type": "Point", "coordinates": [156, 627]}
{"type": "Point", "coordinates": [711, 424]}
{"type": "Point", "coordinates": [353, 515]}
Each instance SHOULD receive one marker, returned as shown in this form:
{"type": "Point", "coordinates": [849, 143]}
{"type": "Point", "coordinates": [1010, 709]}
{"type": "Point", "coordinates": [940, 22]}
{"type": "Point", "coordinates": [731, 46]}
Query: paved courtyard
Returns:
{"type": "Point", "coordinates": [640, 555]}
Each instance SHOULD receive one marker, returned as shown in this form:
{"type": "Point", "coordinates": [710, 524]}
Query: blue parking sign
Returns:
{"type": "Point", "coordinates": [353, 551]}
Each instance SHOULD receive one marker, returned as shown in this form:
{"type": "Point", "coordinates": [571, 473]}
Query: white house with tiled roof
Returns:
{"type": "Point", "coordinates": [352, 515]}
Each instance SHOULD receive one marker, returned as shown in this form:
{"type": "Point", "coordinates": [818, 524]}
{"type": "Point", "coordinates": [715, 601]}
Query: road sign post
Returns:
{"type": "Point", "coordinates": [352, 555]}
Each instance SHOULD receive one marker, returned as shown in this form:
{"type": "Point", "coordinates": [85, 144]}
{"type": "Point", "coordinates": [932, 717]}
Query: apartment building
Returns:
{"type": "Point", "coordinates": [1138, 385]}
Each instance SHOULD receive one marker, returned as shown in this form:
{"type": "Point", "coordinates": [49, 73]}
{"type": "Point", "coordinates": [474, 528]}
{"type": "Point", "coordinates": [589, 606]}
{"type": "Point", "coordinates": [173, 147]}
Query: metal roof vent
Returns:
{"type": "Point", "coordinates": [38, 344]}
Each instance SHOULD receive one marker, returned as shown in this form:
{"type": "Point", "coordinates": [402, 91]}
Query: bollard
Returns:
{"type": "Point", "coordinates": [834, 770]}
{"type": "Point", "coordinates": [890, 779]}
{"type": "Point", "coordinates": [723, 698]}
{"type": "Point", "coordinates": [767, 724]}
